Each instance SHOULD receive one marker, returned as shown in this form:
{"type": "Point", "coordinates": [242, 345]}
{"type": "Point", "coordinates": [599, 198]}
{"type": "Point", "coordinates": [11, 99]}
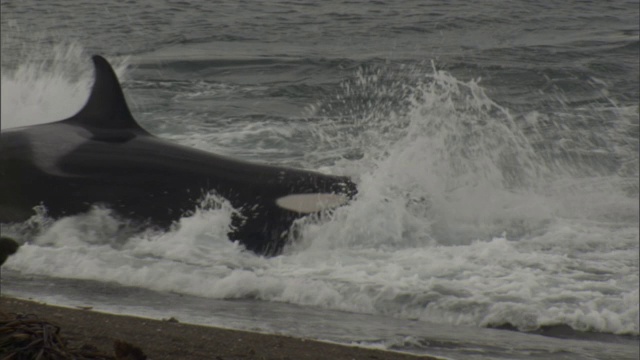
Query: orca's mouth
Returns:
{"type": "Point", "coordinates": [311, 203]}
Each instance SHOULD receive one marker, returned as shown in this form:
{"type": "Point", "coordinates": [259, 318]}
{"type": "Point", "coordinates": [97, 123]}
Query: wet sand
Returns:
{"type": "Point", "coordinates": [161, 340]}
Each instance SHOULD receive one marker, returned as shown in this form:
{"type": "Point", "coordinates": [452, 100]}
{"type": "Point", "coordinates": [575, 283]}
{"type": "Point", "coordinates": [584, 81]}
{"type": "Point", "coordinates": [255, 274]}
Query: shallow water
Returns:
{"type": "Point", "coordinates": [495, 149]}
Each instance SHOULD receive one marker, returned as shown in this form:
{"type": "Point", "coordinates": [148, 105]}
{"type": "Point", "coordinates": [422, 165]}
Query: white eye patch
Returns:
{"type": "Point", "coordinates": [311, 203]}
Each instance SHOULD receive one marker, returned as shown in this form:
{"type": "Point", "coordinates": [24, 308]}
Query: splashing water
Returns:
{"type": "Point", "coordinates": [447, 155]}
{"type": "Point", "coordinates": [51, 83]}
{"type": "Point", "coordinates": [455, 168]}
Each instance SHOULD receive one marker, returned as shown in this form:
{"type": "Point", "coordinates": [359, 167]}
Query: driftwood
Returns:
{"type": "Point", "coordinates": [26, 337]}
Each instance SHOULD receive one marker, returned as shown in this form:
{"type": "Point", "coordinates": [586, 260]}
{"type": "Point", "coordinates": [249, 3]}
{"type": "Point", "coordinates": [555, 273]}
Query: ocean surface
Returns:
{"type": "Point", "coordinates": [494, 144]}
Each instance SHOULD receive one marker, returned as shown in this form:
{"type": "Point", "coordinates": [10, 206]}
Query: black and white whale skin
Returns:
{"type": "Point", "coordinates": [101, 156]}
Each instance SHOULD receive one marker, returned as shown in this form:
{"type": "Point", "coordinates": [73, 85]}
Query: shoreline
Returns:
{"type": "Point", "coordinates": [167, 339]}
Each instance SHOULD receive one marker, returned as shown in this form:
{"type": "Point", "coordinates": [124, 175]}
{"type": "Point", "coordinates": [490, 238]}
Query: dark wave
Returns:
{"type": "Point", "coordinates": [563, 331]}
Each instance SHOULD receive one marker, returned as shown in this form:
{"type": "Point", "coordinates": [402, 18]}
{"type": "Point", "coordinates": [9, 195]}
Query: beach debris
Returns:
{"type": "Point", "coordinates": [171, 320]}
{"type": "Point", "coordinates": [26, 337]}
{"type": "Point", "coordinates": [8, 247]}
{"type": "Point", "coordinates": [126, 351]}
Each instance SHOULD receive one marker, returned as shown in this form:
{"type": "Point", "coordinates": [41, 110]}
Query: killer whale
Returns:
{"type": "Point", "coordinates": [101, 155]}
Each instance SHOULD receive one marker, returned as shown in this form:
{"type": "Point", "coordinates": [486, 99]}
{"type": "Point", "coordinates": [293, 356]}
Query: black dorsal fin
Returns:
{"type": "Point", "coordinates": [106, 107]}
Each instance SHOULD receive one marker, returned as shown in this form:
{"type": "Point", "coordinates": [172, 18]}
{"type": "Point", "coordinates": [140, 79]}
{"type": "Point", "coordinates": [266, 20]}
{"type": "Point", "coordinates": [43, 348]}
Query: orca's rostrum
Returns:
{"type": "Point", "coordinates": [101, 156]}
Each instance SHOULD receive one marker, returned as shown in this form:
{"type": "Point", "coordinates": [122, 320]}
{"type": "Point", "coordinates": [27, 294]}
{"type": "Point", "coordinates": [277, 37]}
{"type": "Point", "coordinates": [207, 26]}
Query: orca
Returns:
{"type": "Point", "coordinates": [102, 156]}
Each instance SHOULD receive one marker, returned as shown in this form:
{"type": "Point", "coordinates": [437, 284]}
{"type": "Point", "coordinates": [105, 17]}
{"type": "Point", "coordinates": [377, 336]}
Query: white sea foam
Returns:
{"type": "Point", "coordinates": [52, 83]}
{"type": "Point", "coordinates": [524, 283]}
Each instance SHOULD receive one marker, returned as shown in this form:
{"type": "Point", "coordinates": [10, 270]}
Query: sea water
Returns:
{"type": "Point", "coordinates": [495, 148]}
